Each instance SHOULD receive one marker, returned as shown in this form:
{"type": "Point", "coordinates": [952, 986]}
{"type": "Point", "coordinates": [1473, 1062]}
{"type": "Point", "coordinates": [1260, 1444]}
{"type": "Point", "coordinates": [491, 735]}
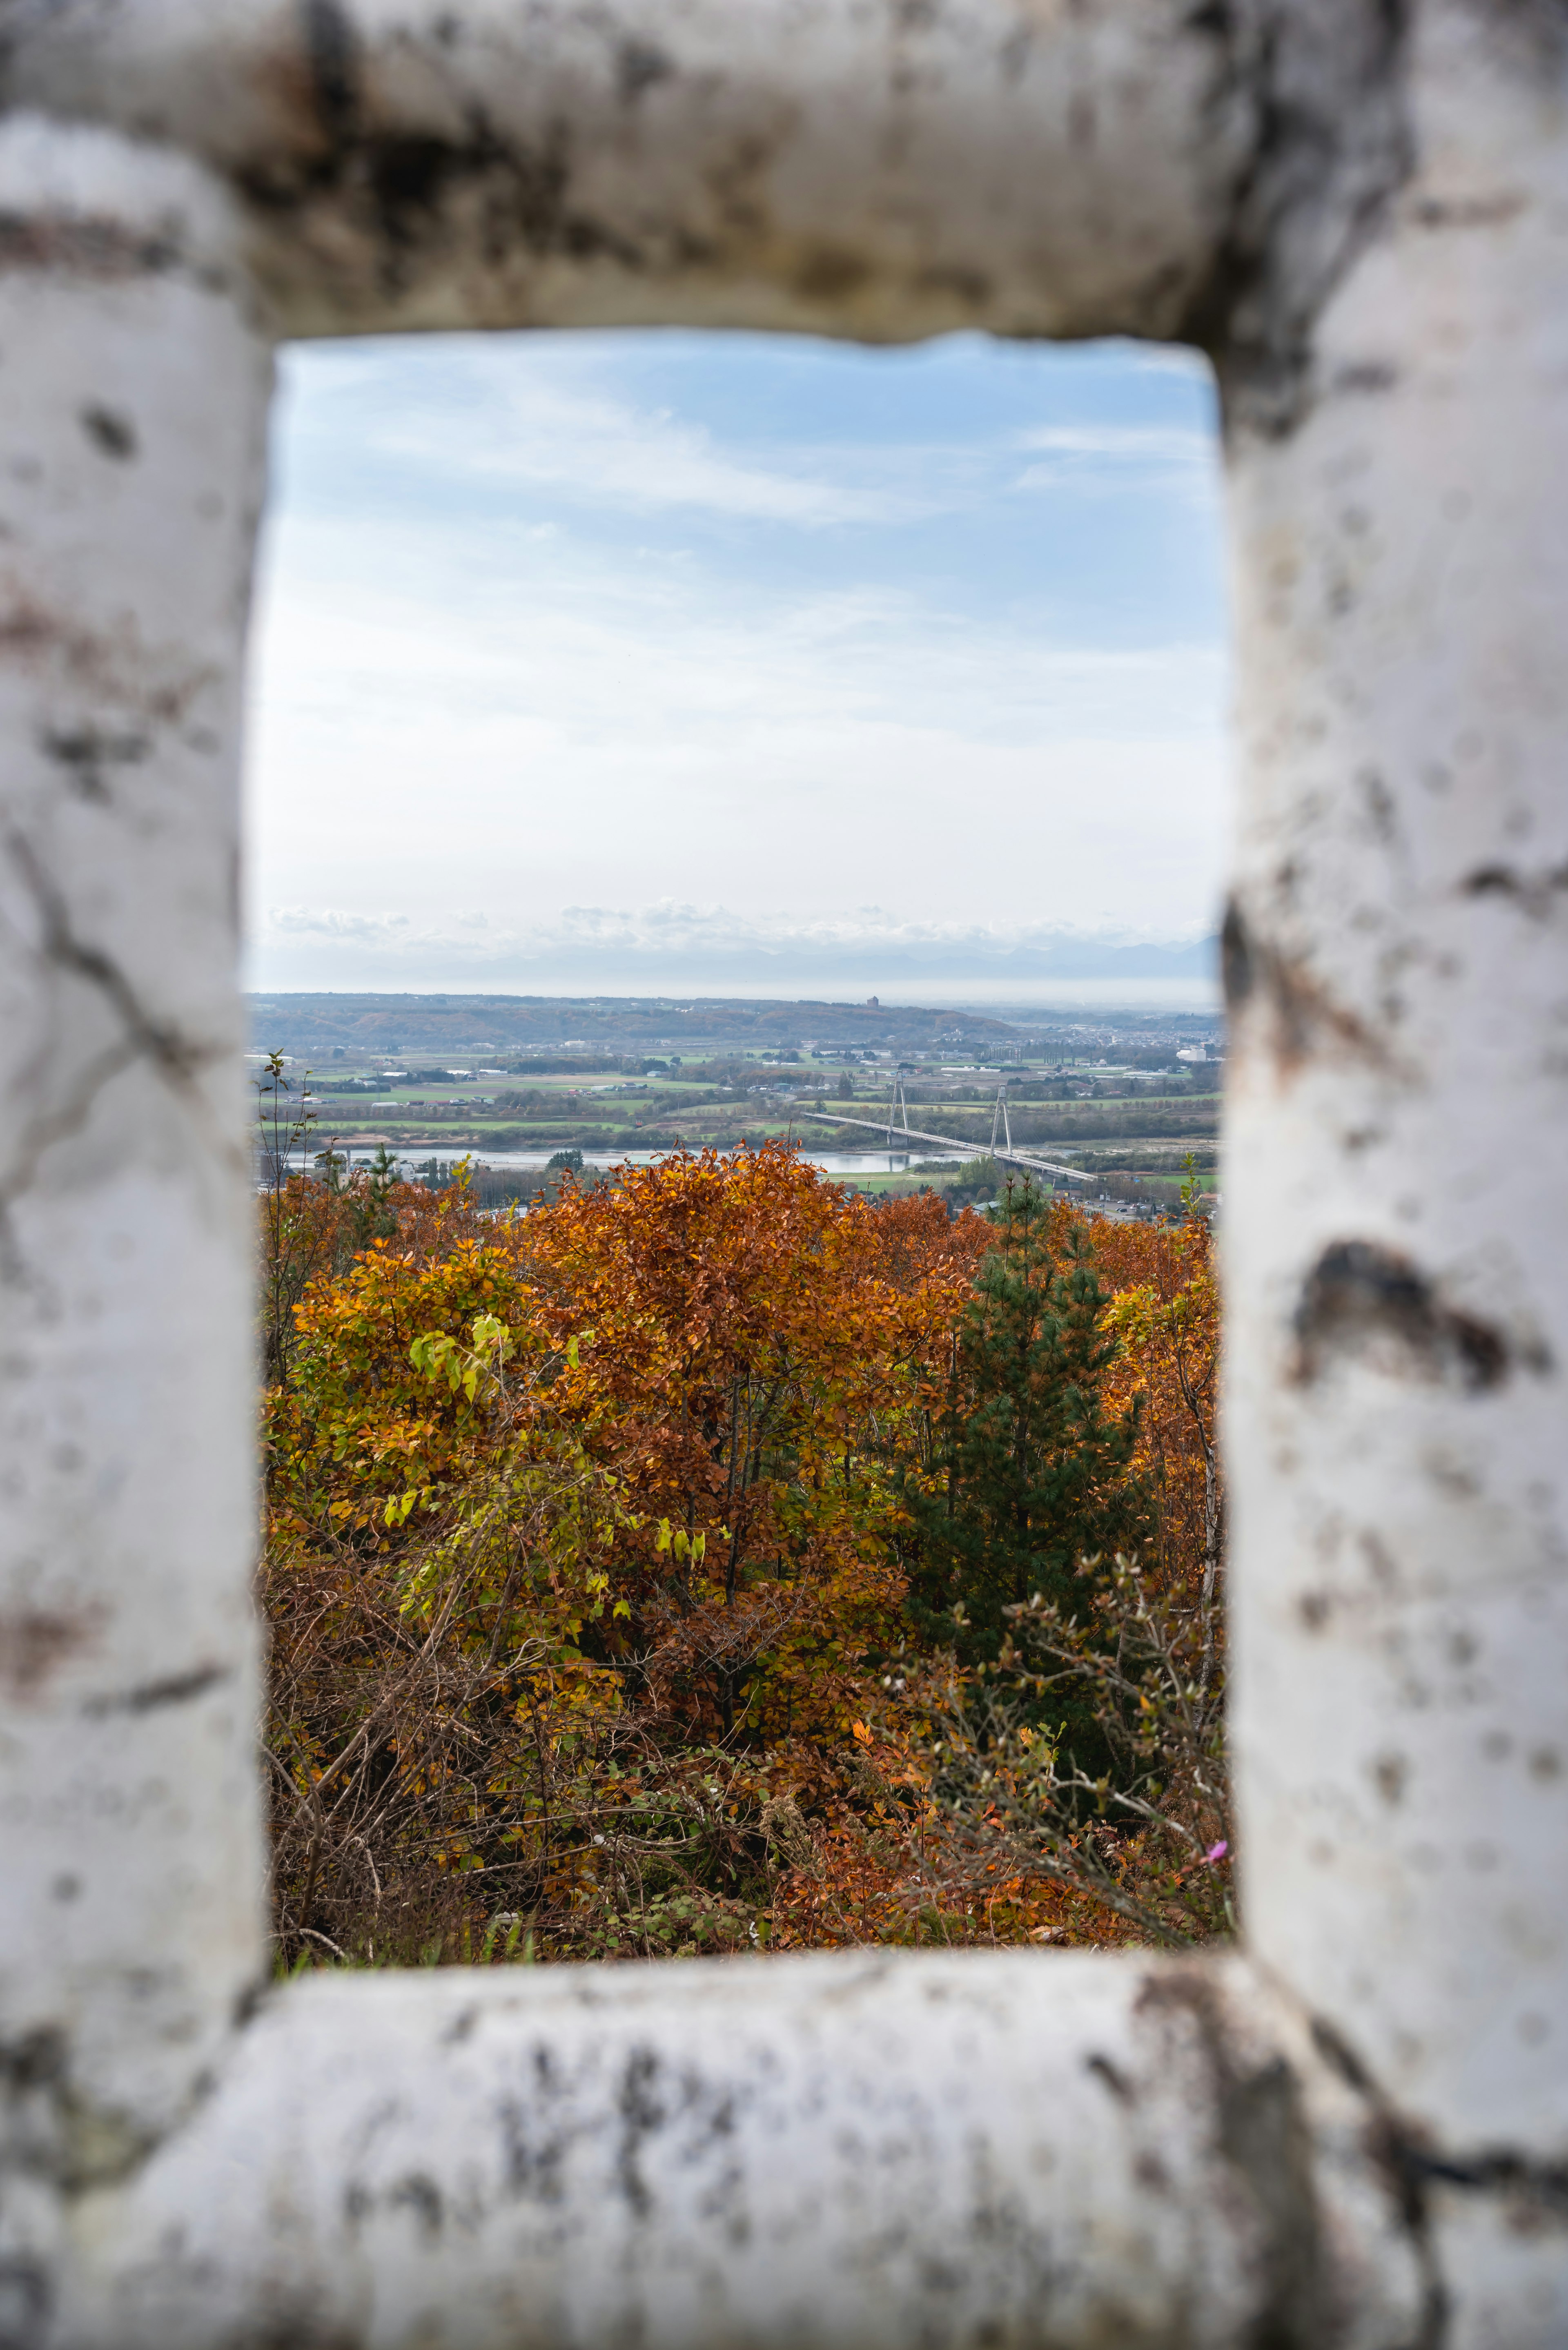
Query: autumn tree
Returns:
{"type": "Point", "coordinates": [1164, 1310]}
{"type": "Point", "coordinates": [751, 1344]}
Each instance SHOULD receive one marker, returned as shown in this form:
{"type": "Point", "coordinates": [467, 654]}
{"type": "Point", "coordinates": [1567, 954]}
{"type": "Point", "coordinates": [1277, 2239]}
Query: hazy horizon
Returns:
{"type": "Point", "coordinates": [1071, 998]}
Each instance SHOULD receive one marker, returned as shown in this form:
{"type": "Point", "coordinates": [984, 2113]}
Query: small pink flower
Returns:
{"type": "Point", "coordinates": [1216, 1851]}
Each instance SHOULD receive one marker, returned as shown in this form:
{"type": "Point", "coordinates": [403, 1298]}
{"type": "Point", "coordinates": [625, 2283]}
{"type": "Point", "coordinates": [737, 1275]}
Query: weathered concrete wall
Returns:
{"type": "Point", "coordinates": [873, 2149]}
{"type": "Point", "coordinates": [876, 168]}
{"type": "Point", "coordinates": [1398, 1253]}
{"type": "Point", "coordinates": [134, 393]}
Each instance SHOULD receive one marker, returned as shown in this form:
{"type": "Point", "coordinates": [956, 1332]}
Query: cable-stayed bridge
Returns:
{"type": "Point", "coordinates": [1005, 1156]}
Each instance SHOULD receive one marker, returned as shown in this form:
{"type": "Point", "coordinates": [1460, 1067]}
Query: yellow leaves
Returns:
{"type": "Point", "coordinates": [491, 1335]}
{"type": "Point", "coordinates": [1189, 1317]}
{"type": "Point", "coordinates": [860, 1733]}
{"type": "Point", "coordinates": [1135, 1314]}
{"type": "Point", "coordinates": [689, 1549]}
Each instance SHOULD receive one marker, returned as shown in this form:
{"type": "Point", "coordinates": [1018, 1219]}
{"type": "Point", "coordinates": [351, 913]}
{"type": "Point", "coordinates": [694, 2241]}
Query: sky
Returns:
{"type": "Point", "coordinates": [655, 662]}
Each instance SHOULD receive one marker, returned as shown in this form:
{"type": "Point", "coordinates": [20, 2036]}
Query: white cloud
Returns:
{"type": "Point", "coordinates": [572, 741]}
{"type": "Point", "coordinates": [554, 428]}
{"type": "Point", "coordinates": [649, 948]}
{"type": "Point", "coordinates": [579, 735]}
{"type": "Point", "coordinates": [475, 709]}
{"type": "Point", "coordinates": [1165, 444]}
{"type": "Point", "coordinates": [1084, 454]}
{"type": "Point", "coordinates": [329, 922]}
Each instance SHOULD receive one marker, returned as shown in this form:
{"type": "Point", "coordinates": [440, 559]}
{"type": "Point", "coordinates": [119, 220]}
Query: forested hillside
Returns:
{"type": "Point", "coordinates": [713, 1560]}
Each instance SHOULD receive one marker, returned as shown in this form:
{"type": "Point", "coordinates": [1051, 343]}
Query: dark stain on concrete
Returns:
{"type": "Point", "coordinates": [418, 2193]}
{"type": "Point", "coordinates": [1324, 88]}
{"type": "Point", "coordinates": [85, 245]}
{"type": "Point", "coordinates": [642, 2115]}
{"type": "Point", "coordinates": [1363, 379]}
{"type": "Point", "coordinates": [88, 752]}
{"type": "Point", "coordinates": [34, 1642]}
{"type": "Point", "coordinates": [332, 49]}
{"type": "Point", "coordinates": [1365, 1303]}
{"type": "Point", "coordinates": [1115, 2079]}
{"type": "Point", "coordinates": [151, 1697]}
{"type": "Point", "coordinates": [111, 432]}
{"type": "Point", "coordinates": [1535, 894]}
{"type": "Point", "coordinates": [1304, 1020]}
{"type": "Point", "coordinates": [1264, 2139]}
{"type": "Point", "coordinates": [534, 2156]}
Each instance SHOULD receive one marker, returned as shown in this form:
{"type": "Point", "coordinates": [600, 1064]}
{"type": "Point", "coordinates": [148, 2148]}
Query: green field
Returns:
{"type": "Point", "coordinates": [1083, 1104]}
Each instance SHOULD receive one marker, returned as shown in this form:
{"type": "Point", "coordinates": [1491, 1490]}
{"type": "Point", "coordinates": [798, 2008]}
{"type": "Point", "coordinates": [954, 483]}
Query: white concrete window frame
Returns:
{"type": "Point", "coordinates": [1356, 2131]}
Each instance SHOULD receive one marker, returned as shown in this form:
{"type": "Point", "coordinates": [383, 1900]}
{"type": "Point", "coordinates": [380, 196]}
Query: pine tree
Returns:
{"type": "Point", "coordinates": [1031, 1470]}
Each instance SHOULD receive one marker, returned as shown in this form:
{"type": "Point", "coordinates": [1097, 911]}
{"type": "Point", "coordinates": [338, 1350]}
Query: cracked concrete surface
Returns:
{"type": "Point", "coordinates": [1355, 2136]}
{"type": "Point", "coordinates": [125, 1513]}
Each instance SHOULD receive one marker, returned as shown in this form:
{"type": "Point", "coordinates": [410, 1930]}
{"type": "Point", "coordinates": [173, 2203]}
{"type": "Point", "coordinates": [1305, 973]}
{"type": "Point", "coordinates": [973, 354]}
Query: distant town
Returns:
{"type": "Point", "coordinates": [521, 1088]}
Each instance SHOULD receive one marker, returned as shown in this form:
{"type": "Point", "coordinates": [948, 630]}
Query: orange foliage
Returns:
{"type": "Point", "coordinates": [584, 1559]}
{"type": "Point", "coordinates": [751, 1345]}
{"type": "Point", "coordinates": [1166, 1313]}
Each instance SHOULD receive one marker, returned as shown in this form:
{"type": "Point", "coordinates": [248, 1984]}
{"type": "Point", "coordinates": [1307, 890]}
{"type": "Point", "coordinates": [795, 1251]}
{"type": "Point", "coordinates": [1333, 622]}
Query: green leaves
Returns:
{"type": "Point", "coordinates": [437, 1354]}
{"type": "Point", "coordinates": [440, 1356]}
{"type": "Point", "coordinates": [688, 1549]}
